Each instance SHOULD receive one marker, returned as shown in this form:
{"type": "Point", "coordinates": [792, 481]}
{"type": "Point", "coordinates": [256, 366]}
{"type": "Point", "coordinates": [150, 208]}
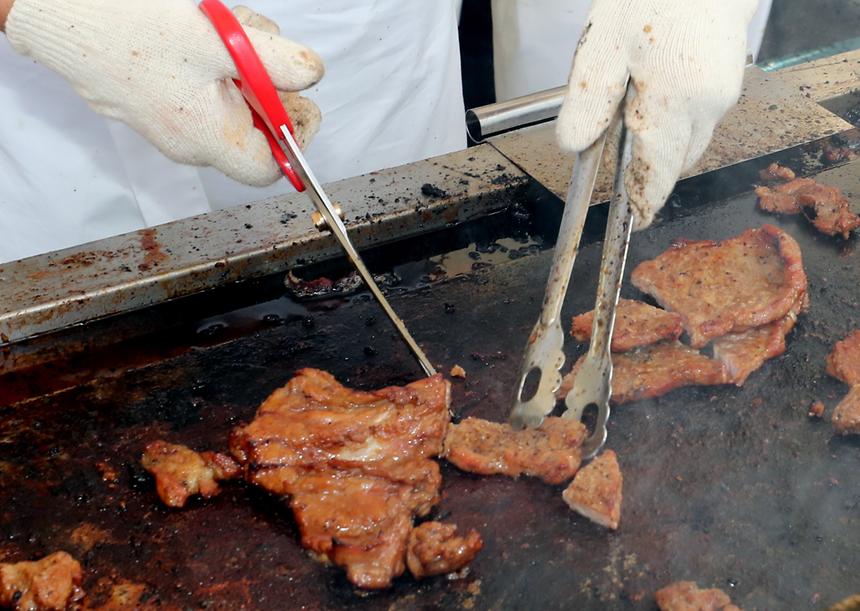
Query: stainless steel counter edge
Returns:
{"type": "Point", "coordinates": [135, 270]}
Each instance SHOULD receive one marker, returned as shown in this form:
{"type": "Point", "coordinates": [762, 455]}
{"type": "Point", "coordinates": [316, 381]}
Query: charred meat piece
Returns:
{"type": "Point", "coordinates": [550, 452]}
{"type": "Point", "coordinates": [776, 173]}
{"type": "Point", "coordinates": [181, 472]}
{"type": "Point", "coordinates": [653, 371]}
{"type": "Point", "coordinates": [356, 465]}
{"type": "Point", "coordinates": [636, 324]}
{"type": "Point", "coordinates": [595, 492]}
{"type": "Point", "coordinates": [436, 549]}
{"type": "Point", "coordinates": [826, 207]}
{"type": "Point", "coordinates": [844, 362]}
{"type": "Point", "coordinates": [846, 416]}
{"type": "Point", "coordinates": [742, 353]}
{"type": "Point", "coordinates": [54, 582]}
{"type": "Point", "coordinates": [686, 596]}
{"type": "Point", "coordinates": [726, 287]}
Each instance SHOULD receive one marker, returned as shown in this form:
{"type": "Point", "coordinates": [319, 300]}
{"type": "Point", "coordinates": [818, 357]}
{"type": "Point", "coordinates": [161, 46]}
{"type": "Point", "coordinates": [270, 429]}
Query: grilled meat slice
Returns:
{"type": "Point", "coordinates": [550, 452]}
{"type": "Point", "coordinates": [357, 466]}
{"type": "Point", "coordinates": [846, 416]}
{"type": "Point", "coordinates": [636, 324]}
{"type": "Point", "coordinates": [742, 353]}
{"type": "Point", "coordinates": [436, 549]}
{"type": "Point", "coordinates": [826, 206]}
{"type": "Point", "coordinates": [686, 596]}
{"type": "Point", "coordinates": [181, 472]}
{"type": "Point", "coordinates": [776, 173]}
{"type": "Point", "coordinates": [652, 371]}
{"type": "Point", "coordinates": [726, 287]}
{"type": "Point", "coordinates": [595, 492]}
{"type": "Point", "coordinates": [844, 361]}
{"type": "Point", "coordinates": [52, 583]}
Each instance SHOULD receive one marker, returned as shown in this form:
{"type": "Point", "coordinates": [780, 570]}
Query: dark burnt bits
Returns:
{"type": "Point", "coordinates": [430, 190]}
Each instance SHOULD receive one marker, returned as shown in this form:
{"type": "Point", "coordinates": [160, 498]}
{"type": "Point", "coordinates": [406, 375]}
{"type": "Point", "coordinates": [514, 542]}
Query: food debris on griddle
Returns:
{"type": "Point", "coordinates": [52, 583]}
{"type": "Point", "coordinates": [357, 466]}
{"type": "Point", "coordinates": [550, 452]}
{"type": "Point", "coordinates": [180, 472]}
{"type": "Point", "coordinates": [776, 173]}
{"type": "Point", "coordinates": [729, 286]}
{"type": "Point", "coordinates": [687, 596]}
{"type": "Point", "coordinates": [816, 410]}
{"type": "Point", "coordinates": [435, 548]}
{"type": "Point", "coordinates": [458, 372]}
{"type": "Point", "coordinates": [595, 492]}
{"type": "Point", "coordinates": [636, 324]}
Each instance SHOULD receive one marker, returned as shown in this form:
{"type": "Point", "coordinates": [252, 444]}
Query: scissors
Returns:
{"type": "Point", "coordinates": [271, 118]}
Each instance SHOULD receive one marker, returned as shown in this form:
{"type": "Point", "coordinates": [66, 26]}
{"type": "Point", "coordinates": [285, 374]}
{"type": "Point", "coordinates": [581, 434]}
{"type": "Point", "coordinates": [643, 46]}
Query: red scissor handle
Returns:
{"type": "Point", "coordinates": [254, 83]}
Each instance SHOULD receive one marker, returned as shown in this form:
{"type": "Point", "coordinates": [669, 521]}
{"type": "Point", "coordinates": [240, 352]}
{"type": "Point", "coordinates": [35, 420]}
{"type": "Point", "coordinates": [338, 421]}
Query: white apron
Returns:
{"type": "Point", "coordinates": [391, 95]}
{"type": "Point", "coordinates": [534, 41]}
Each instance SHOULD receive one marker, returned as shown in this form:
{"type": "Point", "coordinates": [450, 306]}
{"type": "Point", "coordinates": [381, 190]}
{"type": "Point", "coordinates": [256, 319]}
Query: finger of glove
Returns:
{"type": "Point", "coordinates": [595, 88]}
{"type": "Point", "coordinates": [661, 140]}
{"type": "Point", "coordinates": [251, 18]}
{"type": "Point", "coordinates": [305, 115]}
{"type": "Point", "coordinates": [228, 141]}
{"type": "Point", "coordinates": [291, 66]}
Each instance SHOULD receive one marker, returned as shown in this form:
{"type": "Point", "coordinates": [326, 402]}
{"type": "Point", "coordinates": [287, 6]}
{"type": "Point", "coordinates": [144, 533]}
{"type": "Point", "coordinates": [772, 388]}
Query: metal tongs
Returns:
{"type": "Point", "coordinates": [544, 351]}
{"type": "Point", "coordinates": [271, 118]}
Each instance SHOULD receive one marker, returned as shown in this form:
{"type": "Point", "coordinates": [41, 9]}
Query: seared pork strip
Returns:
{"type": "Point", "coordinates": [686, 596]}
{"type": "Point", "coordinates": [595, 492]}
{"type": "Point", "coordinates": [357, 466]}
{"type": "Point", "coordinates": [550, 452]}
{"type": "Point", "coordinates": [52, 583]}
{"type": "Point", "coordinates": [180, 472]}
{"type": "Point", "coordinates": [653, 371]}
{"type": "Point", "coordinates": [826, 206]}
{"type": "Point", "coordinates": [742, 353]}
{"type": "Point", "coordinates": [844, 361]}
{"type": "Point", "coordinates": [436, 549]}
{"type": "Point", "coordinates": [846, 416]}
{"type": "Point", "coordinates": [726, 287]}
{"type": "Point", "coordinates": [636, 324]}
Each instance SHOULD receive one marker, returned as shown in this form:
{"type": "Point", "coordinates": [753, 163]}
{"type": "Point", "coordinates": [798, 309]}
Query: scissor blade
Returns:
{"type": "Point", "coordinates": [338, 230]}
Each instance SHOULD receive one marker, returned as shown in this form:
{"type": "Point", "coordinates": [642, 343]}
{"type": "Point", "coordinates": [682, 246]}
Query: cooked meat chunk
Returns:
{"type": "Point", "coordinates": [742, 353]}
{"type": "Point", "coordinates": [458, 372]}
{"type": "Point", "coordinates": [652, 371]}
{"type": "Point", "coordinates": [844, 362]}
{"type": "Point", "coordinates": [356, 465]}
{"type": "Point", "coordinates": [846, 416]}
{"type": "Point", "coordinates": [550, 452]}
{"type": "Point", "coordinates": [827, 207]}
{"type": "Point", "coordinates": [776, 173]}
{"type": "Point", "coordinates": [436, 549]}
{"type": "Point", "coordinates": [595, 492]}
{"type": "Point", "coordinates": [777, 202]}
{"type": "Point", "coordinates": [816, 410]}
{"type": "Point", "coordinates": [54, 582]}
{"type": "Point", "coordinates": [686, 596]}
{"type": "Point", "coordinates": [181, 472]}
{"type": "Point", "coordinates": [726, 287]}
{"type": "Point", "coordinates": [636, 324]}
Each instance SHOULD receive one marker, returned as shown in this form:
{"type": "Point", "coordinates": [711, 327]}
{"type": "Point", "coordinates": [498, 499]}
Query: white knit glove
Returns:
{"type": "Point", "coordinates": [160, 67]}
{"type": "Point", "coordinates": [685, 59]}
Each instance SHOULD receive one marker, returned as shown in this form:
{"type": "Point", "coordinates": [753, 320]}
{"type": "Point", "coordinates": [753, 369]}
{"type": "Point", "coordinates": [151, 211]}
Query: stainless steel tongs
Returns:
{"type": "Point", "coordinates": [544, 354]}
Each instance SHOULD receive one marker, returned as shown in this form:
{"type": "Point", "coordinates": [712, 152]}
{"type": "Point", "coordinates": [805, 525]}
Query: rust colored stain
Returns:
{"type": "Point", "coordinates": [152, 253]}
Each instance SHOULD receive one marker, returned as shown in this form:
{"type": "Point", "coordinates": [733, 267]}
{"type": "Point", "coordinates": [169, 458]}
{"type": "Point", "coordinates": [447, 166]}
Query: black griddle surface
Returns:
{"type": "Point", "coordinates": [730, 487]}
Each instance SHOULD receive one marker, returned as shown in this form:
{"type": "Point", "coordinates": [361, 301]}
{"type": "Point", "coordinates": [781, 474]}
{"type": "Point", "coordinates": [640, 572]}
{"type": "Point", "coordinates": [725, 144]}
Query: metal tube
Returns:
{"type": "Point", "coordinates": [485, 121]}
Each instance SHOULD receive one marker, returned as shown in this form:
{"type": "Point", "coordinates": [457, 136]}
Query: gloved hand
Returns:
{"type": "Point", "coordinates": [685, 60]}
{"type": "Point", "coordinates": [160, 67]}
